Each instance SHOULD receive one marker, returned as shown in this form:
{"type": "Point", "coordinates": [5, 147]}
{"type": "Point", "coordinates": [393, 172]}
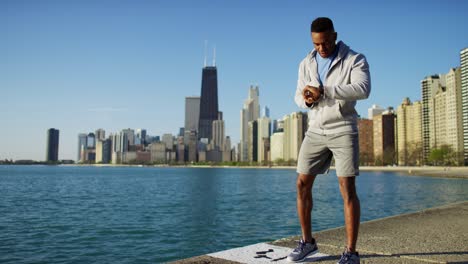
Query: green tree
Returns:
{"type": "Point", "coordinates": [443, 156]}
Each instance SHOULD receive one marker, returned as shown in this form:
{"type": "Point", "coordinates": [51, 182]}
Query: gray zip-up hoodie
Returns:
{"type": "Point", "coordinates": [347, 80]}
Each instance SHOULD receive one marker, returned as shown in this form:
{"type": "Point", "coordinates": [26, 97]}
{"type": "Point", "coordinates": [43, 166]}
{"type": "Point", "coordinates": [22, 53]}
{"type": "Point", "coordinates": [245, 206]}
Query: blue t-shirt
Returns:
{"type": "Point", "coordinates": [323, 65]}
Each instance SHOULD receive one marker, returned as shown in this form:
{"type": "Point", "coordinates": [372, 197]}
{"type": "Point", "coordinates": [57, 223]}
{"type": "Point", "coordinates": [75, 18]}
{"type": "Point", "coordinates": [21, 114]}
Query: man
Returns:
{"type": "Point", "coordinates": [331, 78]}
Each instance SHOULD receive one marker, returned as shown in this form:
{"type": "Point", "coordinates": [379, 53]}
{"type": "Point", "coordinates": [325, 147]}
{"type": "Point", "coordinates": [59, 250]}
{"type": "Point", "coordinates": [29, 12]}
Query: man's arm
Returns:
{"type": "Point", "coordinates": [360, 85]}
{"type": "Point", "coordinates": [302, 81]}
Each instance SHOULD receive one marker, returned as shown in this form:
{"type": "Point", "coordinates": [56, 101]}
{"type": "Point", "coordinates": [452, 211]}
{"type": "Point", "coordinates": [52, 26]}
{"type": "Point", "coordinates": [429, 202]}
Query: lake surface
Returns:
{"type": "Point", "coordinates": [66, 214]}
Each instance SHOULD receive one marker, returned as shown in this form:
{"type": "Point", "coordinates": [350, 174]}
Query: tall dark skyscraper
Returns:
{"type": "Point", "coordinates": [52, 144]}
{"type": "Point", "coordinates": [208, 102]}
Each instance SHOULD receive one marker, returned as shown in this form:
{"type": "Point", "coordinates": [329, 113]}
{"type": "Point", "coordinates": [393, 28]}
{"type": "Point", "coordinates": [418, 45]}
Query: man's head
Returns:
{"type": "Point", "coordinates": [323, 36]}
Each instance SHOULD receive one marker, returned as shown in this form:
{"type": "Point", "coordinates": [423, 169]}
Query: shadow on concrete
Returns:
{"type": "Point", "coordinates": [433, 253]}
{"type": "Point", "coordinates": [374, 256]}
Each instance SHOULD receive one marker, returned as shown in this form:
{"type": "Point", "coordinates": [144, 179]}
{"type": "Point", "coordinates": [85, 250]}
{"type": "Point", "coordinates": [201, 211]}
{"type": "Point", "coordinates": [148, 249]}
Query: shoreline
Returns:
{"type": "Point", "coordinates": [427, 171]}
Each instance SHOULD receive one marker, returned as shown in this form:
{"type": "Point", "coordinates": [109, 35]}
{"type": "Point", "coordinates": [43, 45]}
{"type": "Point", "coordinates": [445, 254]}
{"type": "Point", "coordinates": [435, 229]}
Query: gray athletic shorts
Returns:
{"type": "Point", "coordinates": [318, 150]}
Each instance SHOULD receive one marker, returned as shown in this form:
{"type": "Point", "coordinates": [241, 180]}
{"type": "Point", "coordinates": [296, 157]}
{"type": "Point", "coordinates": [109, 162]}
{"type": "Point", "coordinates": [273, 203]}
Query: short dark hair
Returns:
{"type": "Point", "coordinates": [322, 24]}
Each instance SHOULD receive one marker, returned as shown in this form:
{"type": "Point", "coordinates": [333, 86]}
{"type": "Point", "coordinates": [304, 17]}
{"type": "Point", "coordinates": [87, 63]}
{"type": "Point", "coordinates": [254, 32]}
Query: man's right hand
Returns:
{"type": "Point", "coordinates": [311, 94]}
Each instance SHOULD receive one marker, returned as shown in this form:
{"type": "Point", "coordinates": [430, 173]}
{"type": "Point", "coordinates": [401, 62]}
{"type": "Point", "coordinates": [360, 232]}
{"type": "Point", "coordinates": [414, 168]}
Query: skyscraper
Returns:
{"type": "Point", "coordinates": [266, 112]}
{"type": "Point", "coordinates": [168, 140]}
{"type": "Point", "coordinates": [249, 112]}
{"type": "Point", "coordinates": [208, 101]}
{"type": "Point", "coordinates": [124, 140]}
{"type": "Point", "coordinates": [130, 134]}
{"type": "Point", "coordinates": [116, 148]}
{"type": "Point", "coordinates": [100, 134]}
{"type": "Point", "coordinates": [103, 151]}
{"type": "Point", "coordinates": [52, 144]}
{"type": "Point", "coordinates": [464, 95]}
{"type": "Point", "coordinates": [192, 113]}
{"type": "Point", "coordinates": [218, 135]}
{"type": "Point", "coordinates": [140, 136]}
{"type": "Point", "coordinates": [91, 141]}
{"type": "Point", "coordinates": [82, 145]}
{"type": "Point", "coordinates": [181, 152]}
{"type": "Point", "coordinates": [191, 137]}
{"type": "Point", "coordinates": [227, 151]}
{"type": "Point", "coordinates": [252, 141]}
{"type": "Point", "coordinates": [264, 132]}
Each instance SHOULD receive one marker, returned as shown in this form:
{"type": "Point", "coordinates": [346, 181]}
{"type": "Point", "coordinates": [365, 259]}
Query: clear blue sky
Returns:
{"type": "Point", "coordinates": [82, 65]}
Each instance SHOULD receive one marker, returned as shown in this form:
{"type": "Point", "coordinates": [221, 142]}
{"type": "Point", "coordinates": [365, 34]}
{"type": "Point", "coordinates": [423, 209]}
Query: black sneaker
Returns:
{"type": "Point", "coordinates": [349, 258]}
{"type": "Point", "coordinates": [302, 250]}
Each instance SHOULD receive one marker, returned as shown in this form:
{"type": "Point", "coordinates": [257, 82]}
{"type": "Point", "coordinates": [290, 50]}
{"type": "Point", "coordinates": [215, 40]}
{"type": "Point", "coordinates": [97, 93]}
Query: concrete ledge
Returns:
{"type": "Point", "coordinates": [437, 235]}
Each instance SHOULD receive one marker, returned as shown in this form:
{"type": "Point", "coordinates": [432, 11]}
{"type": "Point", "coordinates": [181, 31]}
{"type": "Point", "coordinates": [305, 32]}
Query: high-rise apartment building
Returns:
{"type": "Point", "coordinates": [52, 145]}
{"type": "Point", "coordinates": [454, 117]}
{"type": "Point", "coordinates": [429, 86]}
{"type": "Point", "coordinates": [438, 135]}
{"type": "Point", "coordinates": [442, 113]}
{"type": "Point", "coordinates": [384, 138]}
{"type": "Point", "coordinates": [464, 96]}
{"type": "Point", "coordinates": [409, 133]}
{"type": "Point", "coordinates": [366, 142]}
{"type": "Point", "coordinates": [208, 102]}
{"type": "Point", "coordinates": [250, 112]}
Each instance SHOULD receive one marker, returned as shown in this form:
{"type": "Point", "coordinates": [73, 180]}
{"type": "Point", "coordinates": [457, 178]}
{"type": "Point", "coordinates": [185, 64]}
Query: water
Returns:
{"type": "Point", "coordinates": [149, 215]}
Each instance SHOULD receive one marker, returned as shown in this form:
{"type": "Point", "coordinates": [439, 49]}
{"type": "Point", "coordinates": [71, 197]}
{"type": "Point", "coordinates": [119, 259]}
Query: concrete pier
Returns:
{"type": "Point", "coordinates": [437, 235]}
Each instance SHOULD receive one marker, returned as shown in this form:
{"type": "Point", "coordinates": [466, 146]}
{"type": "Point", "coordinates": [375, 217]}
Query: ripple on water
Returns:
{"type": "Point", "coordinates": [147, 215]}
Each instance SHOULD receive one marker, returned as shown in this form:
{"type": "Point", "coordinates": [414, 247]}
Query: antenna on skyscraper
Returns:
{"type": "Point", "coordinates": [214, 56]}
{"type": "Point", "coordinates": [206, 43]}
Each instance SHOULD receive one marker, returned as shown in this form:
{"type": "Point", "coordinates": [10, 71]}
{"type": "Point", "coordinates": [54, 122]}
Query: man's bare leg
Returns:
{"type": "Point", "coordinates": [352, 210]}
{"type": "Point", "coordinates": [305, 204]}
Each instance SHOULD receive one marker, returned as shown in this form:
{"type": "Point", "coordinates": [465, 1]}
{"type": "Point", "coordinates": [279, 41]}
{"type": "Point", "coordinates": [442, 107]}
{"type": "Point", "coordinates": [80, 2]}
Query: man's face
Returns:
{"type": "Point", "coordinates": [324, 43]}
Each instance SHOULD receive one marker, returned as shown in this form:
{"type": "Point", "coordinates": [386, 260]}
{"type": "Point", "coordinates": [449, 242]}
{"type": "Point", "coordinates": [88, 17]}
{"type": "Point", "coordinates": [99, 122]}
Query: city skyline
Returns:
{"type": "Point", "coordinates": [122, 65]}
